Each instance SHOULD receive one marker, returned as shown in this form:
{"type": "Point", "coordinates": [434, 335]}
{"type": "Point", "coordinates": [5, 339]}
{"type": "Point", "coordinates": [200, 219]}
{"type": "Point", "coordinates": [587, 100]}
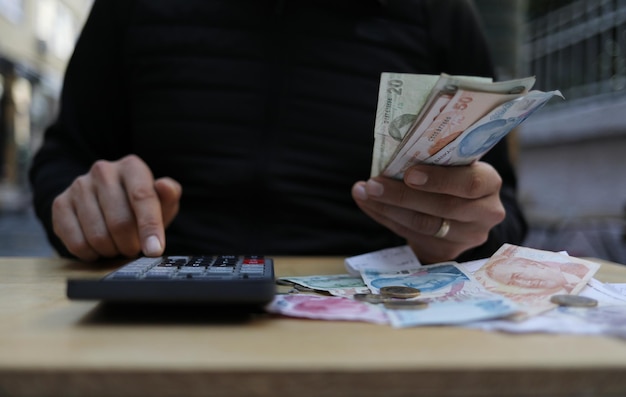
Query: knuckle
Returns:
{"type": "Point", "coordinates": [119, 225]}
{"type": "Point", "coordinates": [142, 193]}
{"type": "Point", "coordinates": [499, 213]}
{"type": "Point", "coordinates": [100, 240]}
{"type": "Point", "coordinates": [81, 184]}
{"type": "Point", "coordinates": [132, 162]}
{"type": "Point", "coordinates": [405, 197]}
{"type": "Point", "coordinates": [80, 249]}
{"type": "Point", "coordinates": [130, 249]}
{"type": "Point", "coordinates": [424, 224]}
{"type": "Point", "coordinates": [100, 169]}
{"type": "Point", "coordinates": [130, 159]}
{"type": "Point", "coordinates": [60, 204]}
{"type": "Point", "coordinates": [450, 207]}
{"type": "Point", "coordinates": [475, 185]}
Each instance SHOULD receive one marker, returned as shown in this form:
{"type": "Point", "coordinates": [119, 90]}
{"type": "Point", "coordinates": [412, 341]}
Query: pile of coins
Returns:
{"type": "Point", "coordinates": [395, 298]}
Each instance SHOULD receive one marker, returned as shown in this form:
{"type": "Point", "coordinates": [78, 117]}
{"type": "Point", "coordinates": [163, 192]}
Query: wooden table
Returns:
{"type": "Point", "coordinates": [51, 346]}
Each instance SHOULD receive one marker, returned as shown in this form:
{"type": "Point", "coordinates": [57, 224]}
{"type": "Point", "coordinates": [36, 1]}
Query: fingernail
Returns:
{"type": "Point", "coordinates": [374, 188]}
{"type": "Point", "coordinates": [153, 246]}
{"type": "Point", "coordinates": [417, 178]}
{"type": "Point", "coordinates": [359, 191]}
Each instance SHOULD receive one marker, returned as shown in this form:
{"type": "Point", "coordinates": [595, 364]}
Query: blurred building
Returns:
{"type": "Point", "coordinates": [36, 40]}
{"type": "Point", "coordinates": [571, 155]}
{"type": "Point", "coordinates": [572, 162]}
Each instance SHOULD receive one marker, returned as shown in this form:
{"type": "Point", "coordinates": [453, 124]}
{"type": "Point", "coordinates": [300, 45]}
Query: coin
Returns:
{"type": "Point", "coordinates": [369, 298]}
{"type": "Point", "coordinates": [573, 300]}
{"type": "Point", "coordinates": [405, 304]}
{"type": "Point", "coordinates": [399, 291]}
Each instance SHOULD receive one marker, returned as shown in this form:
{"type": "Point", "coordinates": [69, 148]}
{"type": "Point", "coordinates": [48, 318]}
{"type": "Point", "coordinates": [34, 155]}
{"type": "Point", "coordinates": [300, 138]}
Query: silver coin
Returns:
{"type": "Point", "coordinates": [573, 301]}
{"type": "Point", "coordinates": [399, 291]}
{"type": "Point", "coordinates": [369, 298]}
{"type": "Point", "coordinates": [405, 304]}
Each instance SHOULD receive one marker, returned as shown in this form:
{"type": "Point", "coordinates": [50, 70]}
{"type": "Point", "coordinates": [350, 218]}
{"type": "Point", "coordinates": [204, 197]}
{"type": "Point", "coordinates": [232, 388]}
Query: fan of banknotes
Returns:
{"type": "Point", "coordinates": [446, 120]}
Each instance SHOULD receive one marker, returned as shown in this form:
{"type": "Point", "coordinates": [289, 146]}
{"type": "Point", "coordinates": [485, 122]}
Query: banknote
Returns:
{"type": "Point", "coordinates": [334, 284]}
{"type": "Point", "coordinates": [400, 98]}
{"type": "Point", "coordinates": [453, 296]}
{"type": "Point", "coordinates": [404, 98]}
{"type": "Point", "coordinates": [394, 258]}
{"type": "Point", "coordinates": [445, 280]}
{"type": "Point", "coordinates": [409, 103]}
{"type": "Point", "coordinates": [326, 308]}
{"type": "Point", "coordinates": [461, 111]}
{"type": "Point", "coordinates": [530, 276]}
{"type": "Point", "coordinates": [482, 135]}
{"type": "Point", "coordinates": [608, 318]}
{"type": "Point", "coordinates": [458, 312]}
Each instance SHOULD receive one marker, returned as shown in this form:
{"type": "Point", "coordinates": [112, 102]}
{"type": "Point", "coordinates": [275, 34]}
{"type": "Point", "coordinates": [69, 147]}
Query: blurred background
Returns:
{"type": "Point", "coordinates": [570, 157]}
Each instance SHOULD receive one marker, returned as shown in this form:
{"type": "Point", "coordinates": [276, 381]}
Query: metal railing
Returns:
{"type": "Point", "coordinates": [579, 48]}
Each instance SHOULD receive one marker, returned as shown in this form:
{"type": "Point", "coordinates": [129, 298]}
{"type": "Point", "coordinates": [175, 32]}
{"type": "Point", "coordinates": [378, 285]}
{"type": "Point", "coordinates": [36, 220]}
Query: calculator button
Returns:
{"type": "Point", "coordinates": [253, 260]}
{"type": "Point", "coordinates": [192, 270]}
{"type": "Point", "coordinates": [252, 269]}
{"type": "Point", "coordinates": [220, 269]}
{"type": "Point", "coordinates": [195, 264]}
{"type": "Point", "coordinates": [158, 275]}
{"type": "Point", "coordinates": [226, 260]}
{"type": "Point", "coordinates": [120, 275]}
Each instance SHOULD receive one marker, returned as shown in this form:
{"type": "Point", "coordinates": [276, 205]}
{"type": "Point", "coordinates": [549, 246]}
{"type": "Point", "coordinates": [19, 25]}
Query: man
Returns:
{"type": "Point", "coordinates": [246, 126]}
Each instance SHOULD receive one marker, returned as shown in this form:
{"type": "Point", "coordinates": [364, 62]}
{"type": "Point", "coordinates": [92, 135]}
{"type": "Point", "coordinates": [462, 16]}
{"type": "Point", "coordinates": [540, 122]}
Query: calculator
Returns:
{"type": "Point", "coordinates": [222, 280]}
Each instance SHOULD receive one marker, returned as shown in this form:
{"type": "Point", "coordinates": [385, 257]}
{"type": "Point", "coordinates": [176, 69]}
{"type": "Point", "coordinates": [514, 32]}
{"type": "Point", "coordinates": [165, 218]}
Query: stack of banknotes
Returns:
{"type": "Point", "coordinates": [514, 290]}
{"type": "Point", "coordinates": [446, 120]}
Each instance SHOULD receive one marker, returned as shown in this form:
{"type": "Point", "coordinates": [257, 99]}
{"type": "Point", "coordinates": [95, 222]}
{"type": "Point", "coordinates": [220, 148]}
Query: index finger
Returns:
{"type": "Point", "coordinates": [138, 183]}
{"type": "Point", "coordinates": [476, 180]}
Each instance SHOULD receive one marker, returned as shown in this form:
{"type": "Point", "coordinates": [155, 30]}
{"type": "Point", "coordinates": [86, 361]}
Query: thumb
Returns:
{"type": "Point", "coordinates": [169, 192]}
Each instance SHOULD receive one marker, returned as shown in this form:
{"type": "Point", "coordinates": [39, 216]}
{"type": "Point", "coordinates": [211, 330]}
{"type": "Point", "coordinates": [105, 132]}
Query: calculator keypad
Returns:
{"type": "Point", "coordinates": [192, 268]}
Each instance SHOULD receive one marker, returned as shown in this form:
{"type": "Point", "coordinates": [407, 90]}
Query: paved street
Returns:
{"type": "Point", "coordinates": [22, 235]}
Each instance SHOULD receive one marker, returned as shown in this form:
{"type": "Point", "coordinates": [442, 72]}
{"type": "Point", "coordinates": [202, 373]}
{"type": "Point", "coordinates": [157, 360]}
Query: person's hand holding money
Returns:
{"type": "Point", "coordinates": [440, 211]}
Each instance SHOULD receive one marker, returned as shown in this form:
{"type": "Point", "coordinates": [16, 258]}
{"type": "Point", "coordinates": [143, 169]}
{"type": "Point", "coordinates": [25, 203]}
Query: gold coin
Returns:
{"type": "Point", "coordinates": [573, 301]}
{"type": "Point", "coordinates": [399, 291]}
{"type": "Point", "coordinates": [405, 304]}
{"type": "Point", "coordinates": [369, 298]}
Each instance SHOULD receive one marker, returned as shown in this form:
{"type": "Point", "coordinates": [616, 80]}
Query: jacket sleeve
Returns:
{"type": "Point", "coordinates": [92, 118]}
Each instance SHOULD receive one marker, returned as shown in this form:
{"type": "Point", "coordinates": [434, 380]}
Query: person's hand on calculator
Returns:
{"type": "Point", "coordinates": [117, 208]}
{"type": "Point", "coordinates": [440, 211]}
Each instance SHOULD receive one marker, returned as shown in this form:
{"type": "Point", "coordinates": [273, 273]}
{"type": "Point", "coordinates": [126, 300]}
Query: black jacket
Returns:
{"type": "Point", "coordinates": [263, 110]}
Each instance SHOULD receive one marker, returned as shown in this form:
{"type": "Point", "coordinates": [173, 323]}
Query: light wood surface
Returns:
{"type": "Point", "coordinates": [52, 346]}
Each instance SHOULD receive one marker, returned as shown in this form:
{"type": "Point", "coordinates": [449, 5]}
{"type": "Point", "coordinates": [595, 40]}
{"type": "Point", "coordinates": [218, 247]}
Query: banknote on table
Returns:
{"type": "Point", "coordinates": [419, 115]}
{"type": "Point", "coordinates": [334, 284]}
{"type": "Point", "coordinates": [607, 318]}
{"type": "Point", "coordinates": [530, 277]}
{"type": "Point", "coordinates": [333, 308]}
{"type": "Point", "coordinates": [453, 296]}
